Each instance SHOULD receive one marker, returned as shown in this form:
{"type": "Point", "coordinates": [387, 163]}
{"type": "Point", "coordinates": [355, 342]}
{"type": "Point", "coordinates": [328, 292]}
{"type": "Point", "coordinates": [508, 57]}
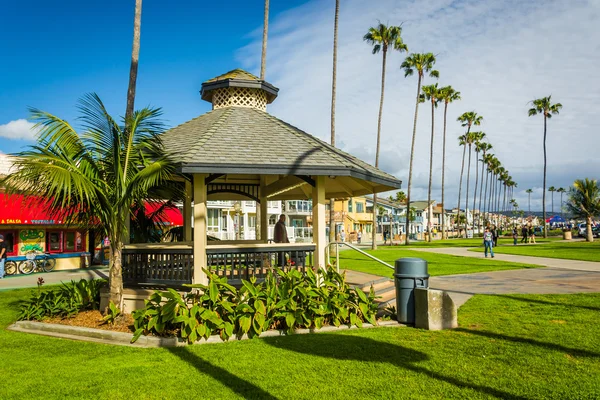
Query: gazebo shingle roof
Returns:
{"type": "Point", "coordinates": [247, 140]}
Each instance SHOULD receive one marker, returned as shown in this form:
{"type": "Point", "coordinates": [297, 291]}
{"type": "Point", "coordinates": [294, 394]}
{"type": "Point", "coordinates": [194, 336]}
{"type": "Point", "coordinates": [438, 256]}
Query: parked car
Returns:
{"type": "Point", "coordinates": [582, 230]}
{"type": "Point", "coordinates": [596, 231]}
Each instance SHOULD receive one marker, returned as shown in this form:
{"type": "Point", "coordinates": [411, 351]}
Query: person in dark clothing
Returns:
{"type": "Point", "coordinates": [3, 250]}
{"type": "Point", "coordinates": [524, 234]}
{"type": "Point", "coordinates": [280, 236]}
{"type": "Point", "coordinates": [494, 232]}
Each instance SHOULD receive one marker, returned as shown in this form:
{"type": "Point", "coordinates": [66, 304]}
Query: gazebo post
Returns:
{"type": "Point", "coordinates": [187, 212]}
{"type": "Point", "coordinates": [264, 215]}
{"type": "Point", "coordinates": [200, 197]}
{"type": "Point", "coordinates": [319, 239]}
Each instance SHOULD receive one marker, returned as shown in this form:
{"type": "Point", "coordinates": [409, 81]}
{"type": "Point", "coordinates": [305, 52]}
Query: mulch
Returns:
{"type": "Point", "coordinates": [93, 319]}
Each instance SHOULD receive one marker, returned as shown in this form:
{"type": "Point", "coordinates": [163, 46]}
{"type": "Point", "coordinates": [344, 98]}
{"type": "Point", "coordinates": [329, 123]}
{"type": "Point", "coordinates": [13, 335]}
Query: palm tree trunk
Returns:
{"type": "Point", "coordinates": [135, 56]}
{"type": "Point", "coordinates": [429, 208]}
{"type": "Point", "coordinates": [374, 233]}
{"type": "Point", "coordinates": [467, 194]}
{"type": "Point", "coordinates": [588, 230]}
{"type": "Point", "coordinates": [263, 58]}
{"type": "Point", "coordinates": [475, 192]}
{"type": "Point", "coordinates": [333, 92]}
{"type": "Point", "coordinates": [485, 191]}
{"type": "Point", "coordinates": [412, 153]}
{"type": "Point", "coordinates": [444, 232]}
{"type": "Point", "coordinates": [481, 193]}
{"type": "Point", "coordinates": [462, 170]}
{"type": "Point", "coordinates": [544, 194]}
{"type": "Point", "coordinates": [552, 197]}
{"type": "Point", "coordinates": [115, 273]}
{"type": "Point", "coordinates": [529, 201]}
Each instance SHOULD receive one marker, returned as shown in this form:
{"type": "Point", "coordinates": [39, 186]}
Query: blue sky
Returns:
{"type": "Point", "coordinates": [500, 54]}
{"type": "Point", "coordinates": [58, 51]}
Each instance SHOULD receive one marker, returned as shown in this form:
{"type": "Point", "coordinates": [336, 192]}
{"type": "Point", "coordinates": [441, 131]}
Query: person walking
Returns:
{"type": "Point", "coordinates": [3, 250]}
{"type": "Point", "coordinates": [488, 242]}
{"type": "Point", "coordinates": [515, 236]}
{"type": "Point", "coordinates": [359, 236]}
{"type": "Point", "coordinates": [343, 235]}
{"type": "Point", "coordinates": [524, 234]}
{"type": "Point", "coordinates": [494, 232]}
{"type": "Point", "coordinates": [531, 235]}
{"type": "Point", "coordinates": [280, 236]}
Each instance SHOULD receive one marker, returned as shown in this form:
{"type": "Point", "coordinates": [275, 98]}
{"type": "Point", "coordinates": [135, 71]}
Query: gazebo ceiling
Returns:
{"type": "Point", "coordinates": [240, 142]}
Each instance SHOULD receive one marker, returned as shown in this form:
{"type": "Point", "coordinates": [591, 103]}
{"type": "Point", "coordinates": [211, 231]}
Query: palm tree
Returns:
{"type": "Point", "coordinates": [469, 119]}
{"type": "Point", "coordinates": [584, 202]}
{"type": "Point", "coordinates": [544, 106]}
{"type": "Point", "coordinates": [552, 189]}
{"type": "Point", "coordinates": [333, 93]}
{"type": "Point", "coordinates": [135, 56]}
{"type": "Point", "coordinates": [98, 175]}
{"type": "Point", "coordinates": [478, 141]}
{"type": "Point", "coordinates": [484, 148]}
{"type": "Point", "coordinates": [529, 191]}
{"type": "Point", "coordinates": [462, 141]}
{"type": "Point", "coordinates": [447, 95]}
{"type": "Point", "coordinates": [400, 197]}
{"type": "Point", "coordinates": [422, 63]}
{"type": "Point", "coordinates": [381, 37]}
{"type": "Point", "coordinates": [431, 93]}
{"type": "Point", "coordinates": [561, 191]}
{"type": "Point", "coordinates": [263, 58]}
{"type": "Point", "coordinates": [487, 162]}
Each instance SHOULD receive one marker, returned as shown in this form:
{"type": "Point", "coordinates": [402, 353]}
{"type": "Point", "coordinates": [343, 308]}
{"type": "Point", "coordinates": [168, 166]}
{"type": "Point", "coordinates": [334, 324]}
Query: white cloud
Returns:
{"type": "Point", "coordinates": [19, 129]}
{"type": "Point", "coordinates": [499, 55]}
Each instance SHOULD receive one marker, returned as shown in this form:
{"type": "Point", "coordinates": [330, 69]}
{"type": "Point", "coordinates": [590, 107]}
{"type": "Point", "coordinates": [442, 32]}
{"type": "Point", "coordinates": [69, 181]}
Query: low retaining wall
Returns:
{"type": "Point", "coordinates": [124, 339]}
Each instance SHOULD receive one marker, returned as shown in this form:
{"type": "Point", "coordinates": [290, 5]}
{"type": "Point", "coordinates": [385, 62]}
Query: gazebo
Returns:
{"type": "Point", "coordinates": [238, 151]}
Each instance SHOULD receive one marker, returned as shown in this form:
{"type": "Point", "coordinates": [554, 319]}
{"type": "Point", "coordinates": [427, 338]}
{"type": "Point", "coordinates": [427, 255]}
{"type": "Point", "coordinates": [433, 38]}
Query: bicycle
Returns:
{"type": "Point", "coordinates": [32, 263]}
{"type": "Point", "coordinates": [10, 267]}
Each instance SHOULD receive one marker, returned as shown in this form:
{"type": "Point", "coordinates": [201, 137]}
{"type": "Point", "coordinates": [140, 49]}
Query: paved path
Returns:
{"type": "Point", "coordinates": [54, 277]}
{"type": "Point", "coordinates": [547, 262]}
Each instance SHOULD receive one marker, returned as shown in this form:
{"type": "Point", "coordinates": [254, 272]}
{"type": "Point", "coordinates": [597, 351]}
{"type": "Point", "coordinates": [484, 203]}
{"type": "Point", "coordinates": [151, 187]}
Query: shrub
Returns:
{"type": "Point", "coordinates": [285, 300]}
{"type": "Point", "coordinates": [64, 301]}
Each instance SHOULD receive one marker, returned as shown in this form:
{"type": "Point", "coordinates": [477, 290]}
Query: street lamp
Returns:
{"type": "Point", "coordinates": [237, 207]}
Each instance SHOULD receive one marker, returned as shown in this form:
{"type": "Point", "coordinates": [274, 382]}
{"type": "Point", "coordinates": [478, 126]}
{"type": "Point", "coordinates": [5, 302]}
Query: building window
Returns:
{"type": "Point", "coordinates": [360, 207]}
{"type": "Point", "coordinates": [350, 205]}
{"type": "Point", "coordinates": [10, 238]}
{"type": "Point", "coordinates": [251, 221]}
{"type": "Point", "coordinates": [212, 219]}
{"type": "Point", "coordinates": [65, 241]}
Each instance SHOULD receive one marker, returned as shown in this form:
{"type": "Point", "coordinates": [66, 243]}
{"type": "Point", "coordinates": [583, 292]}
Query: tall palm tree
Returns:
{"type": "Point", "coordinates": [400, 197]}
{"type": "Point", "coordinates": [422, 63]}
{"type": "Point", "coordinates": [584, 202]}
{"type": "Point", "coordinates": [333, 93]}
{"type": "Point", "coordinates": [447, 95]}
{"type": "Point", "coordinates": [487, 162]}
{"type": "Point", "coordinates": [484, 147]}
{"type": "Point", "coordinates": [135, 56]}
{"type": "Point", "coordinates": [263, 57]}
{"type": "Point", "coordinates": [552, 189]}
{"type": "Point", "coordinates": [381, 38]}
{"type": "Point", "coordinates": [561, 190]}
{"type": "Point", "coordinates": [462, 141]}
{"type": "Point", "coordinates": [98, 175]}
{"type": "Point", "coordinates": [431, 93]}
{"type": "Point", "coordinates": [469, 119]}
{"type": "Point", "coordinates": [544, 106]}
{"type": "Point", "coordinates": [479, 136]}
{"type": "Point", "coordinates": [529, 191]}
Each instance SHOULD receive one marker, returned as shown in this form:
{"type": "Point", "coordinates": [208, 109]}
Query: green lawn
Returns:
{"type": "Point", "coordinates": [512, 347]}
{"type": "Point", "coordinates": [583, 251]}
{"type": "Point", "coordinates": [438, 264]}
{"type": "Point", "coordinates": [476, 242]}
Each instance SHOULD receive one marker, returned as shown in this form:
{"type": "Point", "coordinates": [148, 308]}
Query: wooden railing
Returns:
{"type": "Point", "coordinates": [241, 262]}
{"type": "Point", "coordinates": [156, 267]}
{"type": "Point", "coordinates": [172, 266]}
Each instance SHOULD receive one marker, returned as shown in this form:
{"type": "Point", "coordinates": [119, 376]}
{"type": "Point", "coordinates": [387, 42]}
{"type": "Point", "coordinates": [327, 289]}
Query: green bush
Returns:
{"type": "Point", "coordinates": [285, 300]}
{"type": "Point", "coordinates": [64, 301]}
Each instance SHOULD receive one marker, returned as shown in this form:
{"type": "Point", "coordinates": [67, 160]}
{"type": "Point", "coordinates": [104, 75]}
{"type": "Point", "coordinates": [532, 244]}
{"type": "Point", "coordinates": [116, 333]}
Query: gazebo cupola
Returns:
{"type": "Point", "coordinates": [238, 88]}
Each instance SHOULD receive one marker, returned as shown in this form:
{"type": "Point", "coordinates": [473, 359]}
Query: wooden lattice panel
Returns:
{"type": "Point", "coordinates": [239, 97]}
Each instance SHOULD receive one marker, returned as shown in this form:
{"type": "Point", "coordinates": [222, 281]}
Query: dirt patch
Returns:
{"type": "Point", "coordinates": [93, 319]}
{"type": "Point", "coordinates": [558, 321]}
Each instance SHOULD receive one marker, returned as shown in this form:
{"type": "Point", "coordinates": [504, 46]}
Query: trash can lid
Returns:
{"type": "Point", "coordinates": [411, 266]}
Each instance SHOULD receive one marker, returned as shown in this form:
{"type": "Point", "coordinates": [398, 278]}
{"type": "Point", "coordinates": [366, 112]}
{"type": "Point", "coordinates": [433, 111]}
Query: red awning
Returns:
{"type": "Point", "coordinates": [14, 209]}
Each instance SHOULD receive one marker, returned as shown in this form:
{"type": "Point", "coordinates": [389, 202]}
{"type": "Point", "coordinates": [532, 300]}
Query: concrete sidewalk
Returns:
{"type": "Point", "coordinates": [546, 262]}
{"type": "Point", "coordinates": [52, 278]}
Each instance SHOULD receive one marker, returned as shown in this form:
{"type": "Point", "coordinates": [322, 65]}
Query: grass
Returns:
{"type": "Point", "coordinates": [438, 264]}
{"type": "Point", "coordinates": [582, 251]}
{"type": "Point", "coordinates": [475, 242]}
{"type": "Point", "coordinates": [512, 347]}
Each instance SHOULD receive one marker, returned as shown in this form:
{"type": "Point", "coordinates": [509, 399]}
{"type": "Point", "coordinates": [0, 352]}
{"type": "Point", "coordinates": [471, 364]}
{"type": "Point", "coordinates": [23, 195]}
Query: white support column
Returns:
{"type": "Point", "coordinates": [319, 238]}
{"type": "Point", "coordinates": [187, 212]}
{"type": "Point", "coordinates": [264, 215]}
{"type": "Point", "coordinates": [200, 197]}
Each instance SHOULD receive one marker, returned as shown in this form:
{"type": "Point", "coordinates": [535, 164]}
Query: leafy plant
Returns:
{"type": "Point", "coordinates": [112, 313]}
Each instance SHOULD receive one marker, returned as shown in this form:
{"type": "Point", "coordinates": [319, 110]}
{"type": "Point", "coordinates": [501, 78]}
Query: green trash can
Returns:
{"type": "Point", "coordinates": [410, 273]}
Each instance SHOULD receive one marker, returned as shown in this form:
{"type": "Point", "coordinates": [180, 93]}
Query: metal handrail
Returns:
{"type": "Point", "coordinates": [337, 254]}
